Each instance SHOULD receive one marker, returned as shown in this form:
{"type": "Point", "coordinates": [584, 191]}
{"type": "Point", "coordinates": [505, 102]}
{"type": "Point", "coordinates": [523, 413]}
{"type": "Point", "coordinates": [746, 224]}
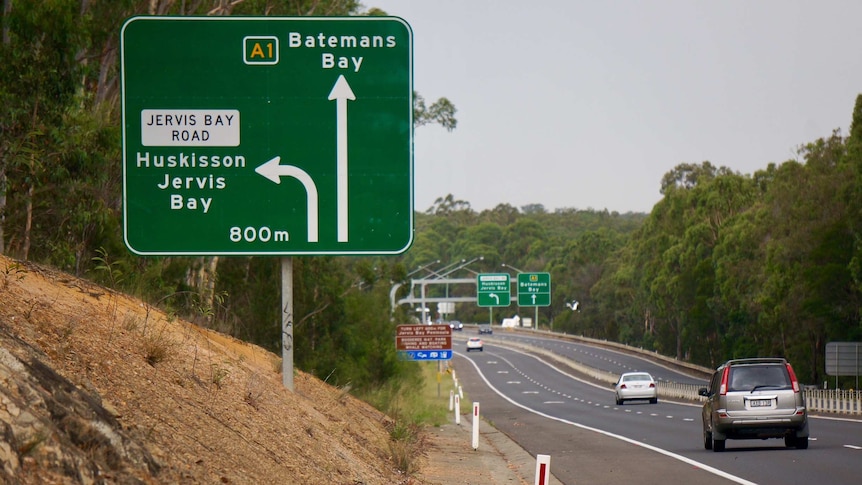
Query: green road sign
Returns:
{"type": "Point", "coordinates": [534, 289]}
{"type": "Point", "coordinates": [267, 135]}
{"type": "Point", "coordinates": [492, 289]}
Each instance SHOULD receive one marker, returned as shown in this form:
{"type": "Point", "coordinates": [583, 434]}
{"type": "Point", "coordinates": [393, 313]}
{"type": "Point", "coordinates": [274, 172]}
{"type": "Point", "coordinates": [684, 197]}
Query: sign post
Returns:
{"type": "Point", "coordinates": [534, 289]}
{"type": "Point", "coordinates": [276, 136]}
{"type": "Point", "coordinates": [493, 290]}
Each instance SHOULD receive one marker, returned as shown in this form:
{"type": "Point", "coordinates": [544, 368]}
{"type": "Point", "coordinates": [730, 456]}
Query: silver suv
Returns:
{"type": "Point", "coordinates": [754, 399]}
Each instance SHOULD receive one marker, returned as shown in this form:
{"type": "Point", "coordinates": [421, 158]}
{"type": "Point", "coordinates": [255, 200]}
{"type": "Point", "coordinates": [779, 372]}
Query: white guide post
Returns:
{"type": "Point", "coordinates": [475, 426]}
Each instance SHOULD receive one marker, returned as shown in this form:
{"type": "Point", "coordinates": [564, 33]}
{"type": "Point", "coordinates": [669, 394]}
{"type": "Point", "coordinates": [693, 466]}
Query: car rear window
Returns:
{"type": "Point", "coordinates": [754, 377]}
{"type": "Point", "coordinates": [636, 377]}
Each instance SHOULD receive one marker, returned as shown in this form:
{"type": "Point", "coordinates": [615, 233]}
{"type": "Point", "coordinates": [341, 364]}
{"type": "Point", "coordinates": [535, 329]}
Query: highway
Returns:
{"type": "Point", "coordinates": [547, 409]}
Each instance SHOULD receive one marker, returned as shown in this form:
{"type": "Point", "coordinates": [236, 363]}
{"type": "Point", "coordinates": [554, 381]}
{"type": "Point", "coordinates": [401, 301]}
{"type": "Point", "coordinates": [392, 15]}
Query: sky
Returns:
{"type": "Point", "coordinates": [587, 104]}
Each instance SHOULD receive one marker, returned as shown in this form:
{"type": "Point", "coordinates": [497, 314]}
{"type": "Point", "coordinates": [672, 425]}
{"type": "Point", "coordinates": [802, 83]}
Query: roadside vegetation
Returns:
{"type": "Point", "coordinates": [423, 401]}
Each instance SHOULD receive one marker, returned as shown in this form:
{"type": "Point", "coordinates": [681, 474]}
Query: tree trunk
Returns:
{"type": "Point", "coordinates": [2, 205]}
{"type": "Point", "coordinates": [202, 277]}
{"type": "Point", "coordinates": [208, 287]}
{"type": "Point", "coordinates": [7, 9]}
{"type": "Point", "coordinates": [28, 224]}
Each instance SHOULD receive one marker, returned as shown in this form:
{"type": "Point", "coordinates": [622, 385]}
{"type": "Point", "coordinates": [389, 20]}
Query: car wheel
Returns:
{"type": "Point", "coordinates": [707, 440]}
{"type": "Point", "coordinates": [793, 441]}
{"type": "Point", "coordinates": [481, 350]}
{"type": "Point", "coordinates": [619, 402]}
{"type": "Point", "coordinates": [653, 400]}
{"type": "Point", "coordinates": [717, 445]}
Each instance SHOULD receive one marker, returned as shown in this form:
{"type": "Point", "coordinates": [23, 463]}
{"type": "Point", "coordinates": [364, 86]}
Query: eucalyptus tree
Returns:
{"type": "Point", "coordinates": [809, 293]}
{"type": "Point", "coordinates": [580, 267]}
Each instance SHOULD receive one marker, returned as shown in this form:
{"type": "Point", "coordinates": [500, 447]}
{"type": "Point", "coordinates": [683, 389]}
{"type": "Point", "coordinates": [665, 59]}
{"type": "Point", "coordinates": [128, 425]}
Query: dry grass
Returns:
{"type": "Point", "coordinates": [207, 407]}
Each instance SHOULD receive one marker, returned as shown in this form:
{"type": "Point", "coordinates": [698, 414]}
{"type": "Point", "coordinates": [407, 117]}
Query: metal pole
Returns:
{"type": "Point", "coordinates": [422, 290]}
{"type": "Point", "coordinates": [287, 322]}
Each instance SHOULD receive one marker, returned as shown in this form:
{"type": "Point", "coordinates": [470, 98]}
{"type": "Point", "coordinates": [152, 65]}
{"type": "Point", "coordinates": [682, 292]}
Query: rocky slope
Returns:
{"type": "Point", "coordinates": [97, 387]}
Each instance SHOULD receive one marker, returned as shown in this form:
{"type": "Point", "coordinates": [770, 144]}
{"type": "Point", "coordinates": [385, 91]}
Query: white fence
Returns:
{"type": "Point", "coordinates": [834, 401]}
{"type": "Point", "coordinates": [817, 400]}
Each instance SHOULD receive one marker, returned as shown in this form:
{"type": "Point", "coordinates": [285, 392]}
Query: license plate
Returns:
{"type": "Point", "coordinates": [760, 403]}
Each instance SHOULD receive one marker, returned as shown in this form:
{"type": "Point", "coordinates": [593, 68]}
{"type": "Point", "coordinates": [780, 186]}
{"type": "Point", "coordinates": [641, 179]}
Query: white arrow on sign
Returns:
{"type": "Point", "coordinates": [341, 92]}
{"type": "Point", "coordinates": [534, 298]}
{"type": "Point", "coordinates": [273, 171]}
{"type": "Point", "coordinates": [495, 296]}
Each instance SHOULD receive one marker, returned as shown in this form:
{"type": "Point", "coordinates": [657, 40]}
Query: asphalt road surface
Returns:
{"type": "Point", "coordinates": [549, 410]}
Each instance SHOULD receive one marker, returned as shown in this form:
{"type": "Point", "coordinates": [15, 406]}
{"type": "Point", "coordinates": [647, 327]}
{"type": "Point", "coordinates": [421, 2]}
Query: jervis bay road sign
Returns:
{"type": "Point", "coordinates": [267, 135]}
{"type": "Point", "coordinates": [492, 289]}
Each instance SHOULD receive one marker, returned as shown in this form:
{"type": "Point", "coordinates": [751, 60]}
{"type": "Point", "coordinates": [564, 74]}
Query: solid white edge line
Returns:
{"type": "Point", "coordinates": [702, 466]}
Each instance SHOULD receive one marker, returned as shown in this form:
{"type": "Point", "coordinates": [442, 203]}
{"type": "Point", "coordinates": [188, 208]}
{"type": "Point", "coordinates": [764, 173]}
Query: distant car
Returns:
{"type": "Point", "coordinates": [485, 328]}
{"type": "Point", "coordinates": [754, 399]}
{"type": "Point", "coordinates": [475, 343]}
{"type": "Point", "coordinates": [635, 385]}
{"type": "Point", "coordinates": [456, 325]}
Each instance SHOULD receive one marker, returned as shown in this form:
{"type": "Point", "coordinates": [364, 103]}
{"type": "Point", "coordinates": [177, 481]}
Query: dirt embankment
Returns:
{"type": "Point", "coordinates": [97, 387]}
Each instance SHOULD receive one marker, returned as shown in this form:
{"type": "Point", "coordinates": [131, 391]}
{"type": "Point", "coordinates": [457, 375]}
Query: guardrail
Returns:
{"type": "Point", "coordinates": [817, 400]}
{"type": "Point", "coordinates": [834, 401]}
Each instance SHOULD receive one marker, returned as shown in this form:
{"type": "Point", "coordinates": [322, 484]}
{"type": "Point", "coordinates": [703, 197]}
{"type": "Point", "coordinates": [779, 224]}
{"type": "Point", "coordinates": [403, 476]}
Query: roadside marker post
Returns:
{"type": "Point", "coordinates": [543, 470]}
{"type": "Point", "coordinates": [475, 426]}
{"type": "Point", "coordinates": [451, 400]}
{"type": "Point", "coordinates": [457, 410]}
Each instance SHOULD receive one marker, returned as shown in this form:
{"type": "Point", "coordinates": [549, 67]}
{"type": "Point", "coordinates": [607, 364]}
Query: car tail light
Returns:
{"type": "Point", "coordinates": [651, 385]}
{"type": "Point", "coordinates": [723, 389]}
{"type": "Point", "coordinates": [793, 380]}
{"type": "Point", "coordinates": [623, 386]}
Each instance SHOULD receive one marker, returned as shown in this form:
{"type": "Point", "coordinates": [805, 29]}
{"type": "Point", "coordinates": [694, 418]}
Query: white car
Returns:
{"type": "Point", "coordinates": [635, 385]}
{"type": "Point", "coordinates": [475, 343]}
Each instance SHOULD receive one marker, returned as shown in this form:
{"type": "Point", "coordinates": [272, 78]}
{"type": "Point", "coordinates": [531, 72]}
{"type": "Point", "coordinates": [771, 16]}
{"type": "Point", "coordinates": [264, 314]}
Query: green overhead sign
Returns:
{"type": "Point", "coordinates": [534, 289]}
{"type": "Point", "coordinates": [267, 135]}
{"type": "Point", "coordinates": [493, 289]}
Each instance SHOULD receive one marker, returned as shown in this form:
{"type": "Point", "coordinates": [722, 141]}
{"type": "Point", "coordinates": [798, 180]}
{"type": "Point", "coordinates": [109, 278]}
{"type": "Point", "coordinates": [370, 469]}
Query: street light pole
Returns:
{"type": "Point", "coordinates": [398, 285]}
{"type": "Point", "coordinates": [420, 268]}
{"type": "Point", "coordinates": [447, 270]}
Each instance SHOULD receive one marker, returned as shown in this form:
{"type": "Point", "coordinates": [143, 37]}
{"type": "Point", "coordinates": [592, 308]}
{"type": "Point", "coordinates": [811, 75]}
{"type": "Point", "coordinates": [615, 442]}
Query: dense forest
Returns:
{"type": "Point", "coordinates": [725, 265]}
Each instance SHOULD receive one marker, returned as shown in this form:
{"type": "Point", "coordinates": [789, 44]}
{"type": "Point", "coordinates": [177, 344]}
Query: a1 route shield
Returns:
{"type": "Point", "coordinates": [267, 135]}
